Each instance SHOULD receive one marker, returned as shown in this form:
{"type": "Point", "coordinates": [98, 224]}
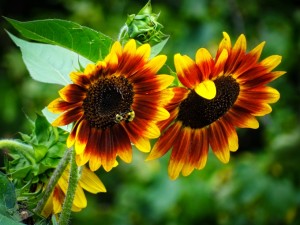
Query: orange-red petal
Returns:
{"type": "Point", "coordinates": [179, 153]}
{"type": "Point", "coordinates": [72, 93]}
{"type": "Point", "coordinates": [68, 117]}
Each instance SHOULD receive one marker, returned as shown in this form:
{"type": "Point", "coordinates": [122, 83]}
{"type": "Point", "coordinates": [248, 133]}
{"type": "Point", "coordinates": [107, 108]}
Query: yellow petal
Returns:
{"type": "Point", "coordinates": [240, 44]}
{"type": "Point", "coordinates": [161, 114]}
{"type": "Point", "coordinates": [164, 81]}
{"type": "Point", "coordinates": [204, 61]}
{"type": "Point", "coordinates": [156, 63]}
{"type": "Point", "coordinates": [130, 46]}
{"type": "Point", "coordinates": [90, 181]}
{"type": "Point", "coordinates": [274, 94]}
{"type": "Point", "coordinates": [116, 48]}
{"type": "Point", "coordinates": [220, 64]}
{"type": "Point", "coordinates": [152, 131]}
{"type": "Point", "coordinates": [82, 159]}
{"type": "Point", "coordinates": [225, 43]}
{"type": "Point", "coordinates": [76, 209]}
{"type": "Point", "coordinates": [144, 51]}
{"type": "Point", "coordinates": [112, 61]}
{"type": "Point", "coordinates": [252, 123]}
{"type": "Point", "coordinates": [206, 89]}
{"type": "Point", "coordinates": [82, 136]}
{"type": "Point", "coordinates": [48, 208]}
{"type": "Point", "coordinates": [143, 144]}
{"type": "Point", "coordinates": [257, 50]}
{"type": "Point", "coordinates": [89, 69]}
{"type": "Point", "coordinates": [94, 162]}
{"type": "Point", "coordinates": [233, 141]}
{"type": "Point", "coordinates": [271, 62]}
{"type": "Point", "coordinates": [116, 164]}
{"type": "Point", "coordinates": [187, 169]}
{"type": "Point", "coordinates": [57, 206]}
{"type": "Point", "coordinates": [223, 155]}
{"type": "Point", "coordinates": [79, 199]}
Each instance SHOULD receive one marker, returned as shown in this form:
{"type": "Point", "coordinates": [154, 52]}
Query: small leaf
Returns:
{"type": "Point", "coordinates": [7, 193]}
{"type": "Point", "coordinates": [25, 137]}
{"type": "Point", "coordinates": [39, 152]}
{"type": "Point", "coordinates": [156, 49]}
{"type": "Point", "coordinates": [85, 41]}
{"type": "Point", "coordinates": [21, 172]}
{"type": "Point", "coordinates": [41, 129]}
{"type": "Point", "coordinates": [49, 63]}
{"type": "Point", "coordinates": [57, 150]}
{"type": "Point", "coordinates": [54, 220]}
{"type": "Point", "coordinates": [8, 221]}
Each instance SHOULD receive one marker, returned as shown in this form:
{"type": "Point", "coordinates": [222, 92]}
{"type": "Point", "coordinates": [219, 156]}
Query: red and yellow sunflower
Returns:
{"type": "Point", "coordinates": [88, 181]}
{"type": "Point", "coordinates": [114, 103]}
{"type": "Point", "coordinates": [219, 95]}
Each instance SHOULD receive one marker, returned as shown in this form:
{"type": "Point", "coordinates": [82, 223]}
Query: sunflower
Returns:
{"type": "Point", "coordinates": [88, 181]}
{"type": "Point", "coordinates": [114, 103]}
{"type": "Point", "coordinates": [219, 95]}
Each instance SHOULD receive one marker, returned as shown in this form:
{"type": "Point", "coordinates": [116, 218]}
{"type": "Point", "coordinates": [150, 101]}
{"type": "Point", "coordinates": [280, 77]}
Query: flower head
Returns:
{"type": "Point", "coordinates": [87, 181]}
{"type": "Point", "coordinates": [114, 103]}
{"type": "Point", "coordinates": [219, 95]}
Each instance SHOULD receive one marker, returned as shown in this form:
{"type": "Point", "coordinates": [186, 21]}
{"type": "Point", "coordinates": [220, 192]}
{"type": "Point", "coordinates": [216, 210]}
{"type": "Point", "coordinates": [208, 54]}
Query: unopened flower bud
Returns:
{"type": "Point", "coordinates": [143, 27]}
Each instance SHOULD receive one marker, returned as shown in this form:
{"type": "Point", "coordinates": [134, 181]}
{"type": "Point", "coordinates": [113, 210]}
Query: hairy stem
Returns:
{"type": "Point", "coordinates": [24, 149]}
{"type": "Point", "coordinates": [73, 181]}
{"type": "Point", "coordinates": [53, 181]}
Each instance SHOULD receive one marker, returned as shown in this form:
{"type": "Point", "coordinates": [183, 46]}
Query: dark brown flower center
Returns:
{"type": "Point", "coordinates": [198, 112]}
{"type": "Point", "coordinates": [108, 102]}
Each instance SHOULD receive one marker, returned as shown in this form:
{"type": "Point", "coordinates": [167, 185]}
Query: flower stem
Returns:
{"type": "Point", "coordinates": [25, 150]}
{"type": "Point", "coordinates": [53, 181]}
{"type": "Point", "coordinates": [73, 180]}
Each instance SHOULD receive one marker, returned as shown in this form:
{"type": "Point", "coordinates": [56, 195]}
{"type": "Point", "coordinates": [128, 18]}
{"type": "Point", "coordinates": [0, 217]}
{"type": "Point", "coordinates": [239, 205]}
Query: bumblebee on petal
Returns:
{"type": "Point", "coordinates": [114, 103]}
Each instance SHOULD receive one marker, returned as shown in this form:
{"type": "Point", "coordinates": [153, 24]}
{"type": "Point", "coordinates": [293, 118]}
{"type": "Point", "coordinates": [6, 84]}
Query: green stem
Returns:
{"type": "Point", "coordinates": [70, 195]}
{"type": "Point", "coordinates": [53, 181]}
{"type": "Point", "coordinates": [24, 149]}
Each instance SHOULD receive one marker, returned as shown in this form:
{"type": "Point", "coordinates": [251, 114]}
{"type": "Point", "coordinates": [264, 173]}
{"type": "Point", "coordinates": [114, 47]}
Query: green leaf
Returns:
{"type": "Point", "coordinates": [85, 41]}
{"type": "Point", "coordinates": [7, 193]}
{"type": "Point", "coordinates": [57, 150]}
{"type": "Point", "coordinates": [39, 152]}
{"type": "Point", "coordinates": [8, 221]}
{"type": "Point", "coordinates": [41, 129]}
{"type": "Point", "coordinates": [155, 49]}
{"type": "Point", "coordinates": [54, 220]}
{"type": "Point", "coordinates": [21, 172]}
{"type": "Point", "coordinates": [49, 63]}
{"type": "Point", "coordinates": [25, 137]}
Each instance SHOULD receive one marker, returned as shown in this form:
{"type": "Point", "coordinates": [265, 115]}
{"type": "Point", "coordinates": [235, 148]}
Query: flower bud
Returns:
{"type": "Point", "coordinates": [143, 27]}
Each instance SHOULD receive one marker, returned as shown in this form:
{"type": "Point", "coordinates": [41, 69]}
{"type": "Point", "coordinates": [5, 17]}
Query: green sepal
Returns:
{"type": "Point", "coordinates": [176, 82]}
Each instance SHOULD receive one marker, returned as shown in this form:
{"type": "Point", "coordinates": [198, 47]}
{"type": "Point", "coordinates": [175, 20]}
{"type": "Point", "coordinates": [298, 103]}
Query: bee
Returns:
{"type": "Point", "coordinates": [118, 118]}
{"type": "Point", "coordinates": [128, 117]}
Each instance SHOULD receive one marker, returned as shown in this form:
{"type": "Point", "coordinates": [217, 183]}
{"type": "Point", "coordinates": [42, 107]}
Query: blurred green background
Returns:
{"type": "Point", "coordinates": [260, 184]}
